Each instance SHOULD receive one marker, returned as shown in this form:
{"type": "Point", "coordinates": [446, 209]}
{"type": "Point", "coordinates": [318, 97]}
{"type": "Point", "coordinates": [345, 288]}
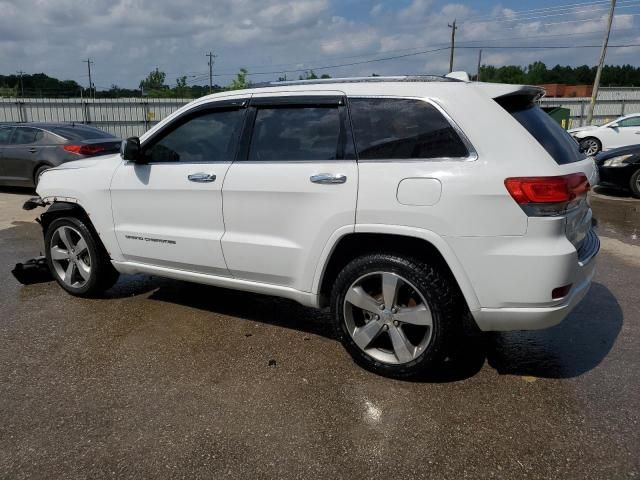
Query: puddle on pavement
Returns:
{"type": "Point", "coordinates": [617, 218]}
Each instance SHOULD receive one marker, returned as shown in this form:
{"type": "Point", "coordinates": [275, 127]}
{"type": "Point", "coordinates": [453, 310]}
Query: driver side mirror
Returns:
{"type": "Point", "coordinates": [614, 125]}
{"type": "Point", "coordinates": [130, 149]}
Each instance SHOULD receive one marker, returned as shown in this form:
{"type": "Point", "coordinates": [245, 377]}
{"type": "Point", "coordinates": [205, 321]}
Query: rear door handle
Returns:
{"type": "Point", "coordinates": [33, 150]}
{"type": "Point", "coordinates": [328, 178]}
{"type": "Point", "coordinates": [202, 177]}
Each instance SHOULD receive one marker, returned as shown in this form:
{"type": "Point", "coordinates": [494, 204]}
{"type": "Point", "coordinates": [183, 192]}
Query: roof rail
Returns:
{"type": "Point", "coordinates": [396, 78]}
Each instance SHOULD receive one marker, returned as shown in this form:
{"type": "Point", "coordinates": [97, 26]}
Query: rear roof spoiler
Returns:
{"type": "Point", "coordinates": [512, 97]}
{"type": "Point", "coordinates": [499, 90]}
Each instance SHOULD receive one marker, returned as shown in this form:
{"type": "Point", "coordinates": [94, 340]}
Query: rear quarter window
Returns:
{"type": "Point", "coordinates": [80, 132]}
{"type": "Point", "coordinates": [555, 140]}
{"type": "Point", "coordinates": [398, 128]}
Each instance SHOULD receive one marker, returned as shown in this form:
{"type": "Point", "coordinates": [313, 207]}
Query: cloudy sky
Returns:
{"type": "Point", "coordinates": [128, 38]}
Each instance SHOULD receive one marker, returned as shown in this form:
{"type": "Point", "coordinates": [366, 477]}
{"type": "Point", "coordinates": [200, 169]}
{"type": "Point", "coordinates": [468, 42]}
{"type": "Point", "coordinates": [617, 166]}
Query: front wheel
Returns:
{"type": "Point", "coordinates": [634, 184]}
{"type": "Point", "coordinates": [77, 261]}
{"type": "Point", "coordinates": [590, 146]}
{"type": "Point", "coordinates": [394, 315]}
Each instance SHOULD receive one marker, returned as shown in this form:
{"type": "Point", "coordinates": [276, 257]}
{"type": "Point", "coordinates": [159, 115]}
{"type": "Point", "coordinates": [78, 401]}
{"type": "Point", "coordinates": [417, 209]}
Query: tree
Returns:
{"type": "Point", "coordinates": [240, 81]}
{"type": "Point", "coordinates": [154, 81]}
{"type": "Point", "coordinates": [308, 75]}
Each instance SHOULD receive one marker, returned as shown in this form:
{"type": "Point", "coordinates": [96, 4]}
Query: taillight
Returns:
{"type": "Point", "coordinates": [86, 149]}
{"type": "Point", "coordinates": [544, 196]}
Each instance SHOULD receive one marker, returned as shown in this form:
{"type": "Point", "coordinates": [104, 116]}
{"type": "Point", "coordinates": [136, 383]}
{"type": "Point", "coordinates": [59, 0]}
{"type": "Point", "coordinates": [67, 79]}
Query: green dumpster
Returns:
{"type": "Point", "coordinates": [559, 114]}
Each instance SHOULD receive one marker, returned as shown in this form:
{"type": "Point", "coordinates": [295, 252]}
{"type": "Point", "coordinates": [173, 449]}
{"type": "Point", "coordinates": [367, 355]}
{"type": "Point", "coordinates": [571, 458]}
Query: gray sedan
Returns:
{"type": "Point", "coordinates": [27, 149]}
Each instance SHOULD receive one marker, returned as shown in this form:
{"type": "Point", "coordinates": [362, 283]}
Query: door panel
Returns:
{"type": "Point", "coordinates": [162, 218]}
{"type": "Point", "coordinates": [277, 220]}
{"type": "Point", "coordinates": [168, 212]}
{"type": "Point", "coordinates": [20, 156]}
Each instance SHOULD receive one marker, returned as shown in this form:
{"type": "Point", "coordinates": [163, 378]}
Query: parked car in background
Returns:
{"type": "Point", "coordinates": [620, 168]}
{"type": "Point", "coordinates": [382, 198]}
{"type": "Point", "coordinates": [621, 132]}
{"type": "Point", "coordinates": [28, 149]}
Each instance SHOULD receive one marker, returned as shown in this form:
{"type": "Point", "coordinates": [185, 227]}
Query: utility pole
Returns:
{"type": "Point", "coordinates": [211, 57]}
{"type": "Point", "coordinates": [453, 44]}
{"type": "Point", "coordinates": [88, 61]}
{"type": "Point", "coordinates": [479, 65]}
{"type": "Point", "coordinates": [21, 84]}
{"type": "Point", "coordinates": [596, 83]}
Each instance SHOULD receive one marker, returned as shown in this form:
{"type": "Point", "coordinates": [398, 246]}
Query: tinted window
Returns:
{"type": "Point", "coordinates": [387, 128]}
{"type": "Point", "coordinates": [24, 135]}
{"type": "Point", "coordinates": [555, 140]}
{"type": "Point", "coordinates": [80, 132]}
{"type": "Point", "coordinates": [5, 135]}
{"type": "Point", "coordinates": [630, 122]}
{"type": "Point", "coordinates": [208, 137]}
{"type": "Point", "coordinates": [296, 133]}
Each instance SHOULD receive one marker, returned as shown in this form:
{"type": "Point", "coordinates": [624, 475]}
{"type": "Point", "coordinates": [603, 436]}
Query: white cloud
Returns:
{"type": "Point", "coordinates": [128, 38]}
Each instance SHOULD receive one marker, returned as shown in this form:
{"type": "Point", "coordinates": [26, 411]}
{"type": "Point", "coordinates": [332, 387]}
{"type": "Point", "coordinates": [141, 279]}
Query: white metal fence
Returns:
{"type": "Point", "coordinates": [127, 117]}
{"type": "Point", "coordinates": [124, 117]}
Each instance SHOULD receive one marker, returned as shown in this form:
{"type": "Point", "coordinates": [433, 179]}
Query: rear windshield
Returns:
{"type": "Point", "coordinates": [555, 140]}
{"type": "Point", "coordinates": [80, 132]}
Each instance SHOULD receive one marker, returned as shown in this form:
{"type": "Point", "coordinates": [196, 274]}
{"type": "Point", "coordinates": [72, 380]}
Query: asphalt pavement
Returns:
{"type": "Point", "coordinates": [167, 379]}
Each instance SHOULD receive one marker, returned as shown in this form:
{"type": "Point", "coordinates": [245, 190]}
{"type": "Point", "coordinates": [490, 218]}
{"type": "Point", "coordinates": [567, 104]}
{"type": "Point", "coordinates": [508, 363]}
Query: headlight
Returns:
{"type": "Point", "coordinates": [617, 161]}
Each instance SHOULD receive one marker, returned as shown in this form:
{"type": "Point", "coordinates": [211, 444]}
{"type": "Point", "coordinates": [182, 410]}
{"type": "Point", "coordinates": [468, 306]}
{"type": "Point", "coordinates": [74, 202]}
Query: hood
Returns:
{"type": "Point", "coordinates": [85, 163]}
{"type": "Point", "coordinates": [616, 152]}
{"type": "Point", "coordinates": [582, 129]}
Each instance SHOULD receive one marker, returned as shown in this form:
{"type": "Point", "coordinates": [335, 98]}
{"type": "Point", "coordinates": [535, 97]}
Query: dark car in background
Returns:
{"type": "Point", "coordinates": [27, 149]}
{"type": "Point", "coordinates": [620, 168]}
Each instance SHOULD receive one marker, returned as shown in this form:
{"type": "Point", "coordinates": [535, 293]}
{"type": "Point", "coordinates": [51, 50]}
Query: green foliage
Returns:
{"type": "Point", "coordinates": [537, 73]}
{"type": "Point", "coordinates": [38, 85]}
{"type": "Point", "coordinates": [240, 81]}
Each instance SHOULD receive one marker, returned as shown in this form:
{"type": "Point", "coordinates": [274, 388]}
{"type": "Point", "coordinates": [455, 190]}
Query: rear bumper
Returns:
{"type": "Point", "coordinates": [514, 279]}
{"type": "Point", "coordinates": [536, 318]}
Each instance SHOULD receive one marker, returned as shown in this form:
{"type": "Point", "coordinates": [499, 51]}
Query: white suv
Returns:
{"type": "Point", "coordinates": [409, 205]}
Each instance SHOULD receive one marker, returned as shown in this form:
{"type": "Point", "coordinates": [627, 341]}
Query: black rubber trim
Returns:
{"type": "Point", "coordinates": [298, 101]}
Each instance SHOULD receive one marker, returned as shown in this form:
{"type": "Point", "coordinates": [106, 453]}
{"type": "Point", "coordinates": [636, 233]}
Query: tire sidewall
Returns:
{"type": "Point", "coordinates": [633, 184]}
{"type": "Point", "coordinates": [404, 268]}
{"type": "Point", "coordinates": [91, 247]}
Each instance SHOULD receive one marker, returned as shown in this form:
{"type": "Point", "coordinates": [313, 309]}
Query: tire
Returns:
{"type": "Point", "coordinates": [90, 269]}
{"type": "Point", "coordinates": [634, 184]}
{"type": "Point", "coordinates": [591, 146]}
{"type": "Point", "coordinates": [36, 176]}
{"type": "Point", "coordinates": [420, 285]}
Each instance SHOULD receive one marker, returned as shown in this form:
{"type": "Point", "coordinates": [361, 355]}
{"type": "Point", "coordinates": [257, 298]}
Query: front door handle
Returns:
{"type": "Point", "coordinates": [328, 178]}
{"type": "Point", "coordinates": [202, 177]}
{"type": "Point", "coordinates": [33, 150]}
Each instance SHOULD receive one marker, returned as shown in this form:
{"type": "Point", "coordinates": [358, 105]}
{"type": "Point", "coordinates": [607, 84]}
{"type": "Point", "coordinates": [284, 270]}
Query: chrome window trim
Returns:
{"type": "Point", "coordinates": [473, 154]}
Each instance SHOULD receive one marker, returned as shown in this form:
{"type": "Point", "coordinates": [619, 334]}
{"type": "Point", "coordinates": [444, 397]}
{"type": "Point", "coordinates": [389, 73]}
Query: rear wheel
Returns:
{"type": "Point", "coordinates": [77, 261]}
{"type": "Point", "coordinates": [394, 315]}
{"type": "Point", "coordinates": [634, 184]}
{"type": "Point", "coordinates": [39, 170]}
{"type": "Point", "coordinates": [590, 146]}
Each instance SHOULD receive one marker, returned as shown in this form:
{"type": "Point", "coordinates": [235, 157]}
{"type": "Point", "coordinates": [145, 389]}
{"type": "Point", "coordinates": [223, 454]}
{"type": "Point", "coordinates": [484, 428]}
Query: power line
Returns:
{"type": "Point", "coordinates": [569, 8]}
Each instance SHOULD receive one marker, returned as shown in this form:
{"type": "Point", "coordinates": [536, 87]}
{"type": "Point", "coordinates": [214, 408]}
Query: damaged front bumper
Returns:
{"type": "Point", "coordinates": [33, 202]}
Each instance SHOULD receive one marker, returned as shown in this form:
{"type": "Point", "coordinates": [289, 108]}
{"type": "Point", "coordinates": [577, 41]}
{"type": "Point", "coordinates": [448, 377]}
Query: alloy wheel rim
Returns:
{"type": "Point", "coordinates": [70, 256]}
{"type": "Point", "coordinates": [592, 147]}
{"type": "Point", "coordinates": [388, 318]}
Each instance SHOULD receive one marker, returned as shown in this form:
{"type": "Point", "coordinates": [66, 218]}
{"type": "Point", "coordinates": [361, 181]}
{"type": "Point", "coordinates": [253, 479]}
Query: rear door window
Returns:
{"type": "Point", "coordinates": [555, 140]}
{"type": "Point", "coordinates": [5, 135]}
{"type": "Point", "coordinates": [398, 128]}
{"type": "Point", "coordinates": [24, 135]}
{"type": "Point", "coordinates": [296, 133]}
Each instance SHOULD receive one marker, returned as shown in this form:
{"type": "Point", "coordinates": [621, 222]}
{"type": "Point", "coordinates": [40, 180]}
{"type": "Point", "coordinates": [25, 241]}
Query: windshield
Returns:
{"type": "Point", "coordinates": [555, 140]}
